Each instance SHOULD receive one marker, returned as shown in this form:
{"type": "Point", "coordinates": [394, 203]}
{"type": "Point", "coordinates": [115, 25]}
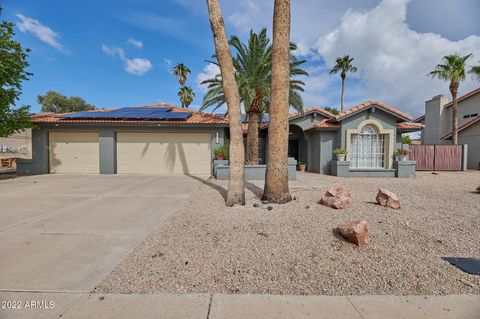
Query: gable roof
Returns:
{"type": "Point", "coordinates": [315, 109]}
{"type": "Point", "coordinates": [196, 118]}
{"type": "Point", "coordinates": [370, 104]}
{"type": "Point", "coordinates": [463, 126]}
{"type": "Point", "coordinates": [464, 97]}
{"type": "Point", "coordinates": [419, 119]}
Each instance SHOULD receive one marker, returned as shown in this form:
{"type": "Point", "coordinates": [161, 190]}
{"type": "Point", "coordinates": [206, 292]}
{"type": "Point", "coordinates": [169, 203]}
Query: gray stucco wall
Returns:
{"type": "Point", "coordinates": [313, 164]}
{"type": "Point", "coordinates": [327, 145]}
{"type": "Point", "coordinates": [39, 164]}
{"type": "Point", "coordinates": [471, 137]}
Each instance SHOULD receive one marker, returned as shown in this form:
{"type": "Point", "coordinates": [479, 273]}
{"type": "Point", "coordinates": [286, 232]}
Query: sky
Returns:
{"type": "Point", "coordinates": [121, 53]}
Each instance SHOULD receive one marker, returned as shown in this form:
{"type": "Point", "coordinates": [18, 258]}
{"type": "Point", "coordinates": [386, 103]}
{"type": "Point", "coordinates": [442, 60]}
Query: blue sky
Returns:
{"type": "Point", "coordinates": [82, 48]}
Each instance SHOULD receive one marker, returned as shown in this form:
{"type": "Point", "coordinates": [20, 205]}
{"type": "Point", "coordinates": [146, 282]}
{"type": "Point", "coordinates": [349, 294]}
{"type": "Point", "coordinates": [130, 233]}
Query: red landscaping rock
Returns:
{"type": "Point", "coordinates": [355, 231]}
{"type": "Point", "coordinates": [337, 197]}
{"type": "Point", "coordinates": [388, 199]}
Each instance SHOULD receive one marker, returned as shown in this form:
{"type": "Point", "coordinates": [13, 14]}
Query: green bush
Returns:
{"type": "Point", "coordinates": [340, 151]}
{"type": "Point", "coordinates": [223, 150]}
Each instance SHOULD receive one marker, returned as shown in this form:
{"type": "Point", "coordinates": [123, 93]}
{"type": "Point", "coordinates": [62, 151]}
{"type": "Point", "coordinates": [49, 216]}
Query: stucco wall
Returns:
{"type": "Point", "coordinates": [471, 136]}
{"type": "Point", "coordinates": [39, 164]}
{"type": "Point", "coordinates": [313, 164]}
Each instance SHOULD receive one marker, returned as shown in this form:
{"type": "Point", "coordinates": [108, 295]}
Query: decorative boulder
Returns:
{"type": "Point", "coordinates": [388, 199]}
{"type": "Point", "coordinates": [337, 197]}
{"type": "Point", "coordinates": [355, 231]}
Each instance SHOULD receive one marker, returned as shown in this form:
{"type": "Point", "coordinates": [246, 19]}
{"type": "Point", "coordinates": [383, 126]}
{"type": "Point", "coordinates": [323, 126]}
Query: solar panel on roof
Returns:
{"type": "Point", "coordinates": [131, 113]}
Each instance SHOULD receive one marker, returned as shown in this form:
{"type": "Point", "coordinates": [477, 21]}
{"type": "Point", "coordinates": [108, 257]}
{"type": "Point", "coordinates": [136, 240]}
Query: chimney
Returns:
{"type": "Point", "coordinates": [436, 120]}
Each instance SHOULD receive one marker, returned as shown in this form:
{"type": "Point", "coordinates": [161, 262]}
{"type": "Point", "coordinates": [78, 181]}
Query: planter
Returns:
{"type": "Point", "coordinates": [302, 167]}
{"type": "Point", "coordinates": [340, 157]}
{"type": "Point", "coordinates": [219, 157]}
{"type": "Point", "coordinates": [402, 157]}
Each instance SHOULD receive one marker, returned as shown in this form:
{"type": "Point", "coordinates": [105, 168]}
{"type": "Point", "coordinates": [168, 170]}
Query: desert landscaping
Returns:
{"type": "Point", "coordinates": [294, 248]}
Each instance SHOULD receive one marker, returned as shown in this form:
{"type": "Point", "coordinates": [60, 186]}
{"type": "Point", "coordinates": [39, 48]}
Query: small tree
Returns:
{"type": "Point", "coordinates": [406, 140]}
{"type": "Point", "coordinates": [58, 103]}
{"type": "Point", "coordinates": [13, 62]}
{"type": "Point", "coordinates": [452, 69]}
{"type": "Point", "coordinates": [343, 65]}
{"type": "Point", "coordinates": [332, 110]}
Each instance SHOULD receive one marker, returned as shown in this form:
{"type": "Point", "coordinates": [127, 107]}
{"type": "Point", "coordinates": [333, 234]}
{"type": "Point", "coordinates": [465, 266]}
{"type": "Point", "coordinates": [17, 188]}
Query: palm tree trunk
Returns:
{"type": "Point", "coordinates": [252, 139]}
{"type": "Point", "coordinates": [454, 90]}
{"type": "Point", "coordinates": [236, 183]}
{"type": "Point", "coordinates": [343, 94]}
{"type": "Point", "coordinates": [276, 178]}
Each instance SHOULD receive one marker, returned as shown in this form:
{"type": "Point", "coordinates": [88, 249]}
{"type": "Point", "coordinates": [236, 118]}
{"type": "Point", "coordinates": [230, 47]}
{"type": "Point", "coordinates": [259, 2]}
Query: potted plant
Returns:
{"type": "Point", "coordinates": [341, 153]}
{"type": "Point", "coordinates": [401, 154]}
{"type": "Point", "coordinates": [222, 152]}
{"type": "Point", "coordinates": [302, 166]}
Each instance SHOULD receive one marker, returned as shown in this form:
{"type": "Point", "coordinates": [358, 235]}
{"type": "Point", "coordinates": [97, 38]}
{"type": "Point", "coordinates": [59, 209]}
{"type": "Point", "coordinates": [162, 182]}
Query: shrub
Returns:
{"type": "Point", "coordinates": [401, 152]}
{"type": "Point", "coordinates": [223, 150]}
{"type": "Point", "coordinates": [340, 151]}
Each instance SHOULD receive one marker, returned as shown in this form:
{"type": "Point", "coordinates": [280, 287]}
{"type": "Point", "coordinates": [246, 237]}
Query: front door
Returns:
{"type": "Point", "coordinates": [293, 149]}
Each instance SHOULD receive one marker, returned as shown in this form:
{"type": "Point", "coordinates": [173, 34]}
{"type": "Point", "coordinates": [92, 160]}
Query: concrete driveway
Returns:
{"type": "Point", "coordinates": [64, 233]}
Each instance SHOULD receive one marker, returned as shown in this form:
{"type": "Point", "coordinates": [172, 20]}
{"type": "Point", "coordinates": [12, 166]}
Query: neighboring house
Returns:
{"type": "Point", "coordinates": [162, 139]}
{"type": "Point", "coordinates": [18, 145]}
{"type": "Point", "coordinates": [438, 124]}
{"type": "Point", "coordinates": [153, 139]}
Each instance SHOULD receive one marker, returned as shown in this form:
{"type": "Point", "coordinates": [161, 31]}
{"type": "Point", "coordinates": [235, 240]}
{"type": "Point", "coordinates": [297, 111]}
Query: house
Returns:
{"type": "Point", "coordinates": [151, 139]}
{"type": "Point", "coordinates": [163, 139]}
{"type": "Point", "coordinates": [15, 146]}
{"type": "Point", "coordinates": [370, 132]}
{"type": "Point", "coordinates": [438, 124]}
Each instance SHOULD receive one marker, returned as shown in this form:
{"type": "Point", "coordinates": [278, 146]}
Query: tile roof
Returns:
{"type": "Point", "coordinates": [419, 119]}
{"type": "Point", "coordinates": [464, 97]}
{"type": "Point", "coordinates": [196, 118]}
{"type": "Point", "coordinates": [325, 124]}
{"type": "Point", "coordinates": [312, 110]}
{"type": "Point", "coordinates": [371, 103]}
{"type": "Point", "coordinates": [463, 126]}
{"type": "Point", "coordinates": [409, 126]}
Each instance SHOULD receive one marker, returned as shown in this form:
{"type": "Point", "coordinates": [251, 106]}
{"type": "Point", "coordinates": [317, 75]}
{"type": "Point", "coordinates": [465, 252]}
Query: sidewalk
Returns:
{"type": "Point", "coordinates": [204, 306]}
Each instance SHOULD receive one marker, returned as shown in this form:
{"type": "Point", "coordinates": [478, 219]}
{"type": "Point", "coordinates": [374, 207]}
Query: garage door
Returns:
{"type": "Point", "coordinates": [73, 152]}
{"type": "Point", "coordinates": [164, 153]}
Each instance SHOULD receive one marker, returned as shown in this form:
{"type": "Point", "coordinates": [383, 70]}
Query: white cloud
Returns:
{"type": "Point", "coordinates": [136, 43]}
{"type": "Point", "coordinates": [244, 18]}
{"type": "Point", "coordinates": [392, 58]}
{"type": "Point", "coordinates": [39, 30]}
{"type": "Point", "coordinates": [135, 66]}
{"type": "Point", "coordinates": [168, 64]}
{"type": "Point", "coordinates": [209, 71]}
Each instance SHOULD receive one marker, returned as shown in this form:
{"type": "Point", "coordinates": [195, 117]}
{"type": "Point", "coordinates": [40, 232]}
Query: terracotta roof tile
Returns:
{"type": "Point", "coordinates": [368, 104]}
{"type": "Point", "coordinates": [463, 126]}
{"type": "Point", "coordinates": [311, 110]}
{"type": "Point", "coordinates": [409, 126]}
{"type": "Point", "coordinates": [325, 124]}
{"type": "Point", "coordinates": [196, 118]}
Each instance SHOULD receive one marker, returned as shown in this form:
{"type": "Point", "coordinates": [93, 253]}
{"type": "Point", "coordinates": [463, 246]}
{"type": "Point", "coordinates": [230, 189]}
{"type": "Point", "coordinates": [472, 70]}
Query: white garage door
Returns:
{"type": "Point", "coordinates": [73, 152]}
{"type": "Point", "coordinates": [164, 153]}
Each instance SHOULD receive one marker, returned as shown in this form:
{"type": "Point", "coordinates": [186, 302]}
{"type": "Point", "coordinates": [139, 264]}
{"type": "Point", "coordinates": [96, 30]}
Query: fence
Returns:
{"type": "Point", "coordinates": [437, 157]}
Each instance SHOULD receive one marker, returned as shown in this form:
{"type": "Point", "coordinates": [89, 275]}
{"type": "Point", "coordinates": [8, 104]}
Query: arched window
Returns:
{"type": "Point", "coordinates": [367, 148]}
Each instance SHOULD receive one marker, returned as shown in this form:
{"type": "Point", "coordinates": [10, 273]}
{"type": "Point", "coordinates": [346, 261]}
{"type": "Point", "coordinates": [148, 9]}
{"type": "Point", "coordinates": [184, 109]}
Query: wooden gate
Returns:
{"type": "Point", "coordinates": [437, 157]}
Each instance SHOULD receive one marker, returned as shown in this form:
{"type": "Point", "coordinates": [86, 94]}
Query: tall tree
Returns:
{"type": "Point", "coordinates": [343, 65]}
{"type": "Point", "coordinates": [276, 178]}
{"type": "Point", "coordinates": [13, 62]}
{"type": "Point", "coordinates": [475, 70]}
{"type": "Point", "coordinates": [58, 103]}
{"type": "Point", "coordinates": [186, 96]}
{"type": "Point", "coordinates": [452, 69]}
{"type": "Point", "coordinates": [181, 71]}
{"type": "Point", "coordinates": [253, 65]}
{"type": "Point", "coordinates": [236, 183]}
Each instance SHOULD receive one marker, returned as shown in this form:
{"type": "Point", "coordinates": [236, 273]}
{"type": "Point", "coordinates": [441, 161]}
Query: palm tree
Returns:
{"type": "Point", "coordinates": [236, 183]}
{"type": "Point", "coordinates": [186, 96]}
{"type": "Point", "coordinates": [343, 65]}
{"type": "Point", "coordinates": [181, 71]}
{"type": "Point", "coordinates": [276, 177]}
{"type": "Point", "coordinates": [452, 69]}
{"type": "Point", "coordinates": [475, 70]}
{"type": "Point", "coordinates": [253, 73]}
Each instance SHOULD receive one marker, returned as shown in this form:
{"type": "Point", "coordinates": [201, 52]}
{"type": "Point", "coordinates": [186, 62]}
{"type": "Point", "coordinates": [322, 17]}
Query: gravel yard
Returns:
{"type": "Point", "coordinates": [206, 247]}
